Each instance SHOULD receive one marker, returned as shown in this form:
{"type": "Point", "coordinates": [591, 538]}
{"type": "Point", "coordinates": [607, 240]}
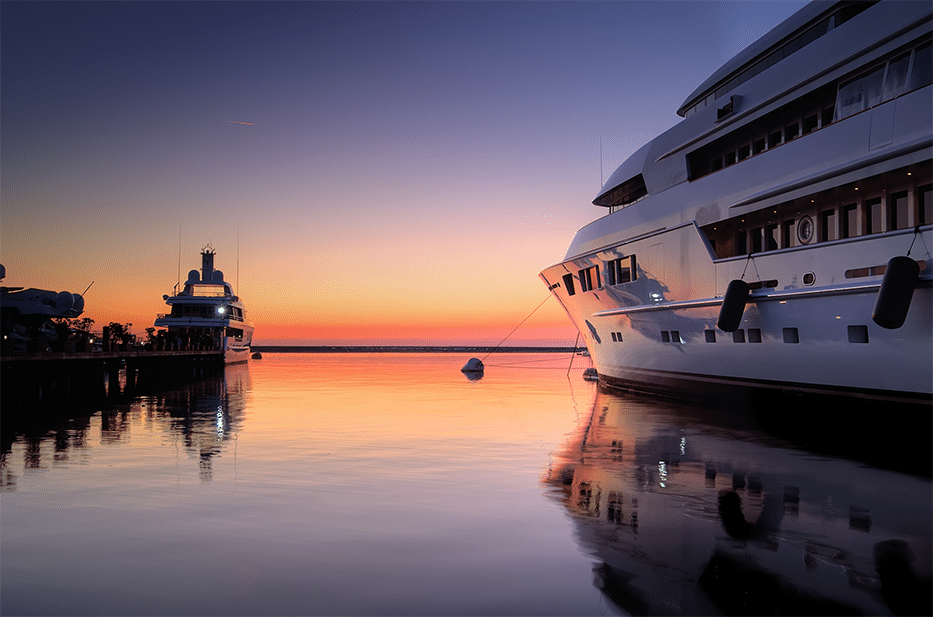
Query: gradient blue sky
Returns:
{"type": "Point", "coordinates": [406, 170]}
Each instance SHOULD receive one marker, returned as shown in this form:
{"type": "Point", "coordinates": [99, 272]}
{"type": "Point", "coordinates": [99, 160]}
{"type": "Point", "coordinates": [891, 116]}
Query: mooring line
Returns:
{"type": "Point", "coordinates": [516, 328]}
{"type": "Point", "coordinates": [577, 340]}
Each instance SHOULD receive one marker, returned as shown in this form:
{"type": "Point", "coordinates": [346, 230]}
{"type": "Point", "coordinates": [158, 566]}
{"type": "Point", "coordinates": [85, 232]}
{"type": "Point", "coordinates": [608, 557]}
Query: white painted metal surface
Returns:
{"type": "Point", "coordinates": [823, 201]}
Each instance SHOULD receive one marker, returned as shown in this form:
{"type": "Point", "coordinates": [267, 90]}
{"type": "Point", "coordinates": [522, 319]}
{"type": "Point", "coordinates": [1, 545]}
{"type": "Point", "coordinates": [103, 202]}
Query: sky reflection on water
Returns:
{"type": "Point", "coordinates": [391, 484]}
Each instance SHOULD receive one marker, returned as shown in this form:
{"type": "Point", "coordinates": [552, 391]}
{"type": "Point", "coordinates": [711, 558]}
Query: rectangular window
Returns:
{"type": "Point", "coordinates": [621, 270]}
{"type": "Point", "coordinates": [710, 336]}
{"type": "Point", "coordinates": [858, 334]}
{"type": "Point", "coordinates": [759, 146]}
{"type": "Point", "coordinates": [568, 284]}
{"type": "Point", "coordinates": [675, 337]}
{"type": "Point", "coordinates": [791, 131]}
{"type": "Point", "coordinates": [859, 94]}
{"type": "Point", "coordinates": [771, 237]}
{"type": "Point", "coordinates": [756, 239]}
{"type": "Point", "coordinates": [665, 336]}
{"type": "Point", "coordinates": [586, 281]}
{"type": "Point", "coordinates": [827, 116]}
{"type": "Point", "coordinates": [827, 225]}
{"type": "Point", "coordinates": [738, 336]}
{"type": "Point", "coordinates": [730, 158]}
{"type": "Point", "coordinates": [787, 234]}
{"type": "Point", "coordinates": [754, 335]}
{"type": "Point", "coordinates": [897, 211]}
{"type": "Point", "coordinates": [589, 278]}
{"type": "Point", "coordinates": [895, 82]}
{"type": "Point", "coordinates": [741, 244]}
{"type": "Point", "coordinates": [744, 152]}
{"type": "Point", "coordinates": [810, 123]}
{"type": "Point", "coordinates": [874, 216]}
{"type": "Point", "coordinates": [774, 139]}
{"type": "Point", "coordinates": [791, 335]}
{"type": "Point", "coordinates": [850, 221]}
{"type": "Point", "coordinates": [922, 72]}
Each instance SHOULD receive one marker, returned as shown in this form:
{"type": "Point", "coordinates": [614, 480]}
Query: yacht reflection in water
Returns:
{"type": "Point", "coordinates": [208, 414]}
{"type": "Point", "coordinates": [690, 511]}
{"type": "Point", "coordinates": [205, 416]}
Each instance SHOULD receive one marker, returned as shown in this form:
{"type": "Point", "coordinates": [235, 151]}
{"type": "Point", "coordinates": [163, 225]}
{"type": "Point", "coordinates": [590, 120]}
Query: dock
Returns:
{"type": "Point", "coordinates": [44, 380]}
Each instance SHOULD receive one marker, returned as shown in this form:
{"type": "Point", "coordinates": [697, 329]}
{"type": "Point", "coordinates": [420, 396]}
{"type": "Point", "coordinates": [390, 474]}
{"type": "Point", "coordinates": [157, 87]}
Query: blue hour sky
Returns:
{"type": "Point", "coordinates": [381, 172]}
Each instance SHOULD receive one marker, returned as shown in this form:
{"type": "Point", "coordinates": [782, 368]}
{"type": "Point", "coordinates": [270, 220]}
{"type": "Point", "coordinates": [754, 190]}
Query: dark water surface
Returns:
{"type": "Point", "coordinates": [390, 484]}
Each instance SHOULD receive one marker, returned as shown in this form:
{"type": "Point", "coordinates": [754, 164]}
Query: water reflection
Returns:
{"type": "Point", "coordinates": [205, 417]}
{"type": "Point", "coordinates": [693, 511]}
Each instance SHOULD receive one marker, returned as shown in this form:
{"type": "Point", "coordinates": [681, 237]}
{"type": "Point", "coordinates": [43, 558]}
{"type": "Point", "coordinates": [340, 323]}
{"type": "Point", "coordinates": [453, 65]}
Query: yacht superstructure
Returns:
{"type": "Point", "coordinates": [802, 169]}
{"type": "Point", "coordinates": [207, 313]}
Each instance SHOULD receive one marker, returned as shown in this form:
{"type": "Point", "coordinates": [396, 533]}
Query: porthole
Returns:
{"type": "Point", "coordinates": [809, 278]}
{"type": "Point", "coordinates": [805, 230]}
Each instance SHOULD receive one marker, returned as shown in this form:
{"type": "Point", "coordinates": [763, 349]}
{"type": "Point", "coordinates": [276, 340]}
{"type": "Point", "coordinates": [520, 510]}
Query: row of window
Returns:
{"type": "Point", "coordinates": [845, 212]}
{"type": "Point", "coordinates": [856, 334]}
{"type": "Point", "coordinates": [618, 271]}
{"type": "Point", "coordinates": [907, 71]}
{"type": "Point", "coordinates": [206, 310]}
{"type": "Point", "coordinates": [904, 72]}
{"type": "Point", "coordinates": [793, 45]}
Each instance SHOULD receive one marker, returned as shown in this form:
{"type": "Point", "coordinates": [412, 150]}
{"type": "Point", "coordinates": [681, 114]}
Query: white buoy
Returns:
{"type": "Point", "coordinates": [473, 365]}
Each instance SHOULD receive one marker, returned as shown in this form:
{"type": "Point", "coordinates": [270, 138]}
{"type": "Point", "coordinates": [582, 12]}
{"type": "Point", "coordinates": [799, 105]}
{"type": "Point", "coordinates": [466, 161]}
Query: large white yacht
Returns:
{"type": "Point", "coordinates": [206, 313]}
{"type": "Point", "coordinates": [779, 237]}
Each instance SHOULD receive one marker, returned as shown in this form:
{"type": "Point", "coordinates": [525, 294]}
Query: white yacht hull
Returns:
{"type": "Point", "coordinates": [236, 354]}
{"type": "Point", "coordinates": [816, 338]}
{"type": "Point", "coordinates": [808, 218]}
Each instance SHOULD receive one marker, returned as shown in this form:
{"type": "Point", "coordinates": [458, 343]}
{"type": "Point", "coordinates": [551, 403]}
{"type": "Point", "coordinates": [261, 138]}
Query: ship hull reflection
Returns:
{"type": "Point", "coordinates": [696, 511]}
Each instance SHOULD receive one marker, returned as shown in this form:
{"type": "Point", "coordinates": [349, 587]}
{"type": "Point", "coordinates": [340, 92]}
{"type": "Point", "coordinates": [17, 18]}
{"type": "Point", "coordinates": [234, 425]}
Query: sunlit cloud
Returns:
{"type": "Point", "coordinates": [238, 122]}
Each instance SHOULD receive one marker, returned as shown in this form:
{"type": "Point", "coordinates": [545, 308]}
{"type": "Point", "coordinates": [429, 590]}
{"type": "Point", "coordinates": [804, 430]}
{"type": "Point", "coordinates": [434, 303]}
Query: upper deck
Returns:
{"type": "Point", "coordinates": [853, 97]}
{"type": "Point", "coordinates": [207, 290]}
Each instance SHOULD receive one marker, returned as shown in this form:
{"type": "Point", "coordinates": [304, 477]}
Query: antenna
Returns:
{"type": "Point", "coordinates": [600, 161]}
{"type": "Point", "coordinates": [178, 280]}
{"type": "Point", "coordinates": [238, 256]}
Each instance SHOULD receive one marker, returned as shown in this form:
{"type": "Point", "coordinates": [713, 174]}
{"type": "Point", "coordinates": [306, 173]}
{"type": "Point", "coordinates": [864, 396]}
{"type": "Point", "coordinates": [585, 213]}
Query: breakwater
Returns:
{"type": "Point", "coordinates": [474, 349]}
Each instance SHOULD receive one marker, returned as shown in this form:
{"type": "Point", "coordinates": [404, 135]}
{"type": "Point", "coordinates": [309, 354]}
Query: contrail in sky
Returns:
{"type": "Point", "coordinates": [238, 122]}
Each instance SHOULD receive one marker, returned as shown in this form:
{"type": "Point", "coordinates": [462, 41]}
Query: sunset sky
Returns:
{"type": "Point", "coordinates": [392, 172]}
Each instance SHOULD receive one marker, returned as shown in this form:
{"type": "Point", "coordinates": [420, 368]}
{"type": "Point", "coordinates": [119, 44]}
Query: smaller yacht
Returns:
{"type": "Point", "coordinates": [207, 314]}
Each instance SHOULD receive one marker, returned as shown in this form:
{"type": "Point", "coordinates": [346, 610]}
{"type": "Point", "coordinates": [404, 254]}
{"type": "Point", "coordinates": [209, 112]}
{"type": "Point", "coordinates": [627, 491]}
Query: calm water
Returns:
{"type": "Point", "coordinates": [391, 484]}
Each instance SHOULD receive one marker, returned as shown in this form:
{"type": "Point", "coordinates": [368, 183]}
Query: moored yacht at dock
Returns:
{"type": "Point", "coordinates": [779, 237]}
{"type": "Point", "coordinates": [207, 313]}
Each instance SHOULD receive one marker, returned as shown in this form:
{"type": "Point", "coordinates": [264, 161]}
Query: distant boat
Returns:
{"type": "Point", "coordinates": [207, 313]}
{"type": "Point", "coordinates": [40, 302]}
{"type": "Point", "coordinates": [778, 237]}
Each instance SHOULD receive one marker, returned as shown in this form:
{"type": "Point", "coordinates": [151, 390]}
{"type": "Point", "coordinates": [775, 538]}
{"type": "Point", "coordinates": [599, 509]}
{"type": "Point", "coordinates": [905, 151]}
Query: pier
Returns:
{"type": "Point", "coordinates": [44, 380]}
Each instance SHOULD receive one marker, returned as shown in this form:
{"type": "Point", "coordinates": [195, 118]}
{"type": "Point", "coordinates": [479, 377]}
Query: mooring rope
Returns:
{"type": "Point", "coordinates": [515, 328]}
{"type": "Point", "coordinates": [577, 340]}
{"type": "Point", "coordinates": [916, 235]}
{"type": "Point", "coordinates": [751, 259]}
